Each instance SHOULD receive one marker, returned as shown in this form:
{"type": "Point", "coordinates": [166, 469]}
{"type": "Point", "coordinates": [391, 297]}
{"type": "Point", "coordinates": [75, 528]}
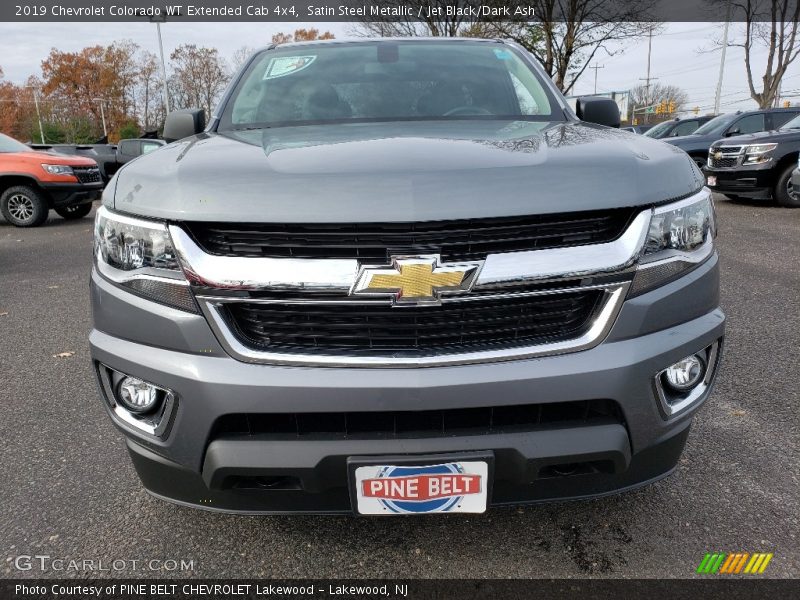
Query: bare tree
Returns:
{"type": "Point", "coordinates": [568, 35]}
{"type": "Point", "coordinates": [672, 97]}
{"type": "Point", "coordinates": [151, 102]}
{"type": "Point", "coordinates": [771, 25]}
{"type": "Point", "coordinates": [199, 77]}
{"type": "Point", "coordinates": [435, 22]}
{"type": "Point", "coordinates": [565, 37]}
{"type": "Point", "coordinates": [240, 57]}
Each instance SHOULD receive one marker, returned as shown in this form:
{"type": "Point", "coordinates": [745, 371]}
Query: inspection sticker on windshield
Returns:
{"type": "Point", "coordinates": [405, 489]}
{"type": "Point", "coordinates": [286, 65]}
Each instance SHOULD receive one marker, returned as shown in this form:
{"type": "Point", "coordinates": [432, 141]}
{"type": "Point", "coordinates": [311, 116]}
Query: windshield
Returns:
{"type": "Point", "coordinates": [793, 124]}
{"type": "Point", "coordinates": [655, 132]}
{"type": "Point", "coordinates": [715, 125]}
{"type": "Point", "coordinates": [8, 144]}
{"type": "Point", "coordinates": [387, 81]}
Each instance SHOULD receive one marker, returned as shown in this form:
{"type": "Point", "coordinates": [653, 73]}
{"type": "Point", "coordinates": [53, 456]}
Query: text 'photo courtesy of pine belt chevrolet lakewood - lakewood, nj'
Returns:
{"type": "Point", "coordinates": [403, 276]}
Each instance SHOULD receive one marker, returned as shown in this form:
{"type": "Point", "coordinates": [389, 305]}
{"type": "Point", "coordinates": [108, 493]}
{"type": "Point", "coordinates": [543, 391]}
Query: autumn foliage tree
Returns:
{"type": "Point", "coordinates": [301, 35]}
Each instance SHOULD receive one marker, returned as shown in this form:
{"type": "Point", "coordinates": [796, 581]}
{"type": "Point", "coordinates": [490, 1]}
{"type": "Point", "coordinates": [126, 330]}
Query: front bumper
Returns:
{"type": "Point", "coordinates": [194, 465]}
{"type": "Point", "coordinates": [749, 183]}
{"type": "Point", "coordinates": [63, 195]}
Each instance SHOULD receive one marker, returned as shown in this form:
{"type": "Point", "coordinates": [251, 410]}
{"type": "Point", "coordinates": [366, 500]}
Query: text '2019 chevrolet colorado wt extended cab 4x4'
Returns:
{"type": "Point", "coordinates": [403, 276]}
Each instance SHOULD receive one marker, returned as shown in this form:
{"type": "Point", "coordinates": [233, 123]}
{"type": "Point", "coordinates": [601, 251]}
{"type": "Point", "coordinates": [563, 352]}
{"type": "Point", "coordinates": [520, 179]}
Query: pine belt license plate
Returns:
{"type": "Point", "coordinates": [712, 180]}
{"type": "Point", "coordinates": [423, 485]}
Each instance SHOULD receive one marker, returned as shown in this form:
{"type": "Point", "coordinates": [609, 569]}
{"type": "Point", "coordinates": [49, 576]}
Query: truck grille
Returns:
{"type": "Point", "coordinates": [465, 239]}
{"type": "Point", "coordinates": [421, 423]}
{"type": "Point", "coordinates": [455, 326]}
{"type": "Point", "coordinates": [87, 174]}
{"type": "Point", "coordinates": [730, 157]}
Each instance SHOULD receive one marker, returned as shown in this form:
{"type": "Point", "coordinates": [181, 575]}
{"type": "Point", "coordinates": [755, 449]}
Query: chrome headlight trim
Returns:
{"type": "Point", "coordinates": [166, 286]}
{"type": "Point", "coordinates": [663, 265]}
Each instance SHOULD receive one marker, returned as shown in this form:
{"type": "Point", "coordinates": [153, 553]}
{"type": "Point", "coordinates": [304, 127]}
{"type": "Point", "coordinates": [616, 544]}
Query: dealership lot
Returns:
{"type": "Point", "coordinates": [69, 491]}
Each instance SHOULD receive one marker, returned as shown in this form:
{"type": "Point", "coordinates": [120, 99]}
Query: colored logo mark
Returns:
{"type": "Point", "coordinates": [734, 563]}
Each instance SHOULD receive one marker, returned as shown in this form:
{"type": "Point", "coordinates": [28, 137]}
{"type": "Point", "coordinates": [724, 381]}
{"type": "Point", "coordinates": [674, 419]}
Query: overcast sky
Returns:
{"type": "Point", "coordinates": [680, 54]}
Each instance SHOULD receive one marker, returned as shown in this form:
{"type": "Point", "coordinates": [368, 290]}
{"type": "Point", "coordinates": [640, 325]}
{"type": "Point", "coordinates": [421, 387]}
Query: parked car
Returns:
{"type": "Point", "coordinates": [697, 144]}
{"type": "Point", "coordinates": [31, 183]}
{"type": "Point", "coordinates": [758, 165]}
{"type": "Point", "coordinates": [677, 127]}
{"type": "Point", "coordinates": [373, 283]}
{"type": "Point", "coordinates": [637, 128]}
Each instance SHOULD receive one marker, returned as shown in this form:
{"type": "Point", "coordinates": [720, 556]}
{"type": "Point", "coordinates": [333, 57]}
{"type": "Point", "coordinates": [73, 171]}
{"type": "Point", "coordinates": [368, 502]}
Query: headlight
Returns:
{"type": "Point", "coordinates": [138, 254]}
{"type": "Point", "coordinates": [58, 169]}
{"type": "Point", "coordinates": [758, 153]}
{"type": "Point", "coordinates": [680, 237]}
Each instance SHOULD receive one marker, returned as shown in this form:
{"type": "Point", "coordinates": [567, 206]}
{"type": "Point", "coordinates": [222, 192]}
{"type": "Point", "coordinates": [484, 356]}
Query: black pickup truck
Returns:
{"type": "Point", "coordinates": [109, 157]}
{"type": "Point", "coordinates": [758, 165]}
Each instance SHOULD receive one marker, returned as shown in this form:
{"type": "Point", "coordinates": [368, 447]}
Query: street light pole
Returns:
{"type": "Point", "coordinates": [38, 114]}
{"type": "Point", "coordinates": [102, 115]}
{"type": "Point", "coordinates": [158, 20]}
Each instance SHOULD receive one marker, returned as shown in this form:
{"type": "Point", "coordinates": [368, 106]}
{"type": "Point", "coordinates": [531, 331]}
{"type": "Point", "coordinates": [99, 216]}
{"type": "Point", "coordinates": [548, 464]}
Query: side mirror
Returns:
{"type": "Point", "coordinates": [732, 132]}
{"type": "Point", "coordinates": [603, 111]}
{"type": "Point", "coordinates": [183, 123]}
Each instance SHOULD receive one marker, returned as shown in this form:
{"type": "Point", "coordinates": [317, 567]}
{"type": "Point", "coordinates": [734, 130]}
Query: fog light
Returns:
{"type": "Point", "coordinates": [138, 396]}
{"type": "Point", "coordinates": [686, 373]}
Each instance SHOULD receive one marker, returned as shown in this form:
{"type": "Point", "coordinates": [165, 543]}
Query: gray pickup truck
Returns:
{"type": "Point", "coordinates": [403, 276]}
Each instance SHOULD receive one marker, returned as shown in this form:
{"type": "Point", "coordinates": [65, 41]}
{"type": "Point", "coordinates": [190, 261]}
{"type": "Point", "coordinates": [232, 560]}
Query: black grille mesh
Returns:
{"type": "Point", "coordinates": [454, 326]}
{"type": "Point", "coordinates": [87, 174]}
{"type": "Point", "coordinates": [465, 239]}
{"type": "Point", "coordinates": [422, 423]}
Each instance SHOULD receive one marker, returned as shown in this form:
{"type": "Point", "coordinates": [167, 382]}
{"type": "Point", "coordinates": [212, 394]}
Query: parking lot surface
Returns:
{"type": "Point", "coordinates": [69, 492]}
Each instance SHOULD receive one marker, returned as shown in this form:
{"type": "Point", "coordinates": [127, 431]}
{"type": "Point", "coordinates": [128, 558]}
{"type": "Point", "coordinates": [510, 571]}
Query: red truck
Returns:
{"type": "Point", "coordinates": [31, 183]}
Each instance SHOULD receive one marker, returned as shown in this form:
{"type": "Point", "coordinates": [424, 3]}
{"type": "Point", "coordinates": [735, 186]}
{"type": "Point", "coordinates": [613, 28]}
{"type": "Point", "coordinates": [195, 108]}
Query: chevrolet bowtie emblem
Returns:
{"type": "Point", "coordinates": [717, 155]}
{"type": "Point", "coordinates": [411, 280]}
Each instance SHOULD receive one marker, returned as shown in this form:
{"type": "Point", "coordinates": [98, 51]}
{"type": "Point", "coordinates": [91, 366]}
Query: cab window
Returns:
{"type": "Point", "coordinates": [748, 124]}
{"type": "Point", "coordinates": [686, 128]}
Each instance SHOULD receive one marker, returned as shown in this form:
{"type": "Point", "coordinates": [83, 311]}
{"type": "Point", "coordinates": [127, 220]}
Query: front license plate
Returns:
{"type": "Point", "coordinates": [452, 487]}
{"type": "Point", "coordinates": [712, 180]}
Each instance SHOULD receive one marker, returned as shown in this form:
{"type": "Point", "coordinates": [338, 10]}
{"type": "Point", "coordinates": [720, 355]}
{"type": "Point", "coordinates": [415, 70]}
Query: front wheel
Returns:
{"type": "Point", "coordinates": [784, 193]}
{"type": "Point", "coordinates": [23, 206]}
{"type": "Point", "coordinates": [77, 211]}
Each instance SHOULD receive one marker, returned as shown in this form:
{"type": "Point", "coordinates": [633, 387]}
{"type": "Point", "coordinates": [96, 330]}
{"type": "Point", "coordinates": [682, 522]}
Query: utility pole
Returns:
{"type": "Point", "coordinates": [648, 78]}
{"type": "Point", "coordinates": [38, 114]}
{"type": "Point", "coordinates": [596, 67]}
{"type": "Point", "coordinates": [722, 60]}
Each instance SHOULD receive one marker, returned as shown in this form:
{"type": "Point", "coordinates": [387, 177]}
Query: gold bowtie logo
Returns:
{"type": "Point", "coordinates": [413, 280]}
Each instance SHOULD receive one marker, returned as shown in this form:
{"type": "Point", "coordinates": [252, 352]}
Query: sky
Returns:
{"type": "Point", "coordinates": [683, 54]}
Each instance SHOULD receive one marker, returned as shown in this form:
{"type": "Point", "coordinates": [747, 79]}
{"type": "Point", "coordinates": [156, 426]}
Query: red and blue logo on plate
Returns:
{"type": "Point", "coordinates": [449, 487]}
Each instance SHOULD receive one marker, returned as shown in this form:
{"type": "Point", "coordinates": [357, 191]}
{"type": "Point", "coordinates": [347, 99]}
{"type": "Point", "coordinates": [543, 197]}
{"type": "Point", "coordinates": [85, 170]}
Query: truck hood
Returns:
{"type": "Point", "coordinates": [402, 172]}
{"type": "Point", "coordinates": [762, 137]}
{"type": "Point", "coordinates": [55, 158]}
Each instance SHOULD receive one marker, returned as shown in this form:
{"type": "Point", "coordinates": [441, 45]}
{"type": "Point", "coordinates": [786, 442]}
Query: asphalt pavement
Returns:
{"type": "Point", "coordinates": [69, 492]}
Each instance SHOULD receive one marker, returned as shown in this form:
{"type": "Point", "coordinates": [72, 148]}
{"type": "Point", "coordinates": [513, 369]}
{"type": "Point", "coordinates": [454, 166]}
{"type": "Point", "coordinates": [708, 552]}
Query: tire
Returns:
{"type": "Point", "coordinates": [77, 211]}
{"type": "Point", "coordinates": [783, 193]}
{"type": "Point", "coordinates": [24, 206]}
